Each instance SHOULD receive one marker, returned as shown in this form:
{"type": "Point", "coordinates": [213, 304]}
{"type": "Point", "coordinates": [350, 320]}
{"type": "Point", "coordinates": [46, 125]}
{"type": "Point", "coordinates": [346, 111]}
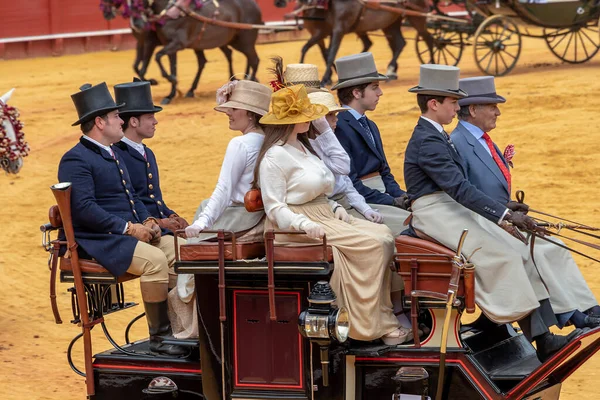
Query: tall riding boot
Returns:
{"type": "Point", "coordinates": [159, 327]}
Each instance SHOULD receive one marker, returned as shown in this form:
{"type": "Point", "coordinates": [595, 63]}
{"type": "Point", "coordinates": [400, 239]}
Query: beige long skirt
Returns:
{"type": "Point", "coordinates": [361, 279]}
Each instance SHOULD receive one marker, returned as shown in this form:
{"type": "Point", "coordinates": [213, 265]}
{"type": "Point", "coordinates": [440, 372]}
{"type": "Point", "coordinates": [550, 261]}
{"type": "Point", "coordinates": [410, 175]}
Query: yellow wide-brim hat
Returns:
{"type": "Point", "coordinates": [291, 105]}
{"type": "Point", "coordinates": [326, 99]}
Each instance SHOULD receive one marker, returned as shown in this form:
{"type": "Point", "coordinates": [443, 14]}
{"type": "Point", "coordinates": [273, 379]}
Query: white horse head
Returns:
{"type": "Point", "coordinates": [11, 154]}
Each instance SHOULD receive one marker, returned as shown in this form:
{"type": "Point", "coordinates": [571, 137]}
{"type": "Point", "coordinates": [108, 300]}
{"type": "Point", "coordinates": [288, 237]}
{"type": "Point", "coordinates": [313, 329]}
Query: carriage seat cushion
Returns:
{"type": "Point", "coordinates": [209, 251]}
{"type": "Point", "coordinates": [433, 263]}
{"type": "Point", "coordinates": [91, 267]}
{"type": "Point", "coordinates": [306, 253]}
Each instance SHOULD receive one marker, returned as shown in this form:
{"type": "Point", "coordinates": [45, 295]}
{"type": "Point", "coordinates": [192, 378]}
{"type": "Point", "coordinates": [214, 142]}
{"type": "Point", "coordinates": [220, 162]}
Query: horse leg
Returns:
{"type": "Point", "coordinates": [316, 38]}
{"type": "Point", "coordinates": [149, 45]}
{"type": "Point", "coordinates": [420, 25]}
{"type": "Point", "coordinates": [228, 55]}
{"type": "Point", "coordinates": [334, 46]}
{"type": "Point", "coordinates": [366, 41]}
{"type": "Point", "coordinates": [170, 50]}
{"type": "Point", "coordinates": [393, 34]}
{"type": "Point", "coordinates": [201, 63]}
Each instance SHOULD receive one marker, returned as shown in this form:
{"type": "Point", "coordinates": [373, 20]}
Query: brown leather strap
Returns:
{"type": "Point", "coordinates": [369, 176]}
{"type": "Point", "coordinates": [54, 254]}
{"type": "Point", "coordinates": [270, 243]}
{"type": "Point", "coordinates": [469, 280]}
{"type": "Point", "coordinates": [222, 308]}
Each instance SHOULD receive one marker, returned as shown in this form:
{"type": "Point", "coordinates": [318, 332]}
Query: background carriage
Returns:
{"type": "Point", "coordinates": [494, 30]}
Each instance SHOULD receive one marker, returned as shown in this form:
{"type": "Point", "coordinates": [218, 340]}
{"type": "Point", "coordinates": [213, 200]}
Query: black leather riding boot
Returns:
{"type": "Point", "coordinates": [159, 328]}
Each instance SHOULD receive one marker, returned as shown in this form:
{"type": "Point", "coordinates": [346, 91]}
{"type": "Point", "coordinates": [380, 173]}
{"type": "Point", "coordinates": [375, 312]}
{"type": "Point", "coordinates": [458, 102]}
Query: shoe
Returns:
{"type": "Point", "coordinates": [398, 336]}
{"type": "Point", "coordinates": [159, 328]}
{"type": "Point", "coordinates": [549, 344]}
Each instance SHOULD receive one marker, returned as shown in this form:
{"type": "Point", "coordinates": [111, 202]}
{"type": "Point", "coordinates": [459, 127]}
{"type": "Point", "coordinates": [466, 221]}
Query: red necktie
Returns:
{"type": "Point", "coordinates": [497, 158]}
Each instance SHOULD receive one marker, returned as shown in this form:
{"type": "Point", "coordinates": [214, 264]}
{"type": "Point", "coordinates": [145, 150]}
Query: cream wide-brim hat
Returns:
{"type": "Point", "coordinates": [326, 99]}
{"type": "Point", "coordinates": [291, 105]}
{"type": "Point", "coordinates": [247, 95]}
{"type": "Point", "coordinates": [303, 74]}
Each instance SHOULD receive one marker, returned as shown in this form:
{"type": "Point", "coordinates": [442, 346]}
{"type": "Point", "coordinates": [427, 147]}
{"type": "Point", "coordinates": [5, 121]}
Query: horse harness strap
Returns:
{"type": "Point", "coordinates": [55, 250]}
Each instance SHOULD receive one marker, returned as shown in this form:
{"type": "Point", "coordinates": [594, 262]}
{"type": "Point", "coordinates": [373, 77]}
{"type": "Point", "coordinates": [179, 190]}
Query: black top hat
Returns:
{"type": "Point", "coordinates": [93, 101]}
{"type": "Point", "coordinates": [137, 97]}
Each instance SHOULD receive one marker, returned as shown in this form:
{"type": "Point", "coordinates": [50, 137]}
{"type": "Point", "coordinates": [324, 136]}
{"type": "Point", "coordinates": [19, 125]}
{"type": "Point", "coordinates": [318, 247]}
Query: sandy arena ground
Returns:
{"type": "Point", "coordinates": [551, 116]}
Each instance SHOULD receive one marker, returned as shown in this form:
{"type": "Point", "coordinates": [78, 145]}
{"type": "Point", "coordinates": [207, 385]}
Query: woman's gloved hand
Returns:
{"type": "Point", "coordinates": [373, 216]}
{"type": "Point", "coordinates": [194, 230]}
{"type": "Point", "coordinates": [341, 214]}
{"type": "Point", "coordinates": [321, 125]}
{"type": "Point", "coordinates": [313, 230]}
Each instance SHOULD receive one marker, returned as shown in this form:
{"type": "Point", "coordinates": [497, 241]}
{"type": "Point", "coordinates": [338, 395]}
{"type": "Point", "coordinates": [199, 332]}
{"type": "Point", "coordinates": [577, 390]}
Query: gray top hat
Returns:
{"type": "Point", "coordinates": [439, 80]}
{"type": "Point", "coordinates": [357, 69]}
{"type": "Point", "coordinates": [481, 90]}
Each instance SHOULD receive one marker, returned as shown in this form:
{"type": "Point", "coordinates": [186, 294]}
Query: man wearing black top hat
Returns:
{"type": "Point", "coordinates": [111, 224]}
{"type": "Point", "coordinates": [140, 122]}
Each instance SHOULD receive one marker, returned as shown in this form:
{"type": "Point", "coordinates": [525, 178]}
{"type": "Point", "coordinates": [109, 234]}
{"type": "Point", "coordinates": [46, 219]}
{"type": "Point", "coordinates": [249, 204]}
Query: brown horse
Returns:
{"type": "Point", "coordinates": [187, 32]}
{"type": "Point", "coordinates": [347, 16]}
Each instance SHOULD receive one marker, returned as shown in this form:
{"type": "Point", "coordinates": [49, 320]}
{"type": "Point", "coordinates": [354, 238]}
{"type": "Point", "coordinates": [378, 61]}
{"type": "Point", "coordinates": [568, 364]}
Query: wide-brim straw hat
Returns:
{"type": "Point", "coordinates": [357, 69]}
{"type": "Point", "coordinates": [326, 99]}
{"type": "Point", "coordinates": [481, 90]}
{"type": "Point", "coordinates": [439, 80]}
{"type": "Point", "coordinates": [291, 105]}
{"type": "Point", "coordinates": [303, 74]}
{"type": "Point", "coordinates": [246, 95]}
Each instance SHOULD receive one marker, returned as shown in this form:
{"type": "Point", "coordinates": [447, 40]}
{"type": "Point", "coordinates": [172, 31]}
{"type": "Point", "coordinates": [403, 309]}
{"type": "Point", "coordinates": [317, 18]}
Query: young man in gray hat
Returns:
{"type": "Point", "coordinates": [359, 91]}
{"type": "Point", "coordinates": [487, 169]}
{"type": "Point", "coordinates": [444, 203]}
{"type": "Point", "coordinates": [111, 224]}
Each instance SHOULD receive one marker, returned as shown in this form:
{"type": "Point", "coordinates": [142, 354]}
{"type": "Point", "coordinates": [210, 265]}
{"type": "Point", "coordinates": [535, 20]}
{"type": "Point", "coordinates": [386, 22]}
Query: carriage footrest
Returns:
{"type": "Point", "coordinates": [182, 342]}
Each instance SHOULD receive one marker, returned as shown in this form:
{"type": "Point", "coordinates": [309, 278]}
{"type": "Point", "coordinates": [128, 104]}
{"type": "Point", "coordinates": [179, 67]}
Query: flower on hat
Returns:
{"type": "Point", "coordinates": [291, 105]}
{"type": "Point", "coordinates": [225, 91]}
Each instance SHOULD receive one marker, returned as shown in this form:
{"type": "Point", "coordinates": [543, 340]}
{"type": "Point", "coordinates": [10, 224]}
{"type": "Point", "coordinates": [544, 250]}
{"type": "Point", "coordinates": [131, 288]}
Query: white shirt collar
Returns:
{"type": "Point", "coordinates": [107, 148]}
{"type": "Point", "coordinates": [437, 126]}
{"type": "Point", "coordinates": [139, 147]}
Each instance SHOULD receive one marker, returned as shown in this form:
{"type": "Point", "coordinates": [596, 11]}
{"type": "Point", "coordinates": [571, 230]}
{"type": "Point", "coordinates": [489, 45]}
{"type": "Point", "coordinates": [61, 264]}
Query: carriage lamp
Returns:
{"type": "Point", "coordinates": [323, 322]}
{"type": "Point", "coordinates": [409, 376]}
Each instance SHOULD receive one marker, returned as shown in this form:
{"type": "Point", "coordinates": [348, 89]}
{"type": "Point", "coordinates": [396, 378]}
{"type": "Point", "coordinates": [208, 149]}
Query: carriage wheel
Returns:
{"type": "Point", "coordinates": [447, 47]}
{"type": "Point", "coordinates": [497, 45]}
{"type": "Point", "coordinates": [575, 44]}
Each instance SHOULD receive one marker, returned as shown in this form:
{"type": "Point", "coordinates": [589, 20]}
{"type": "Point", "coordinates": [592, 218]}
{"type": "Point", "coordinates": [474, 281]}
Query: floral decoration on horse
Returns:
{"type": "Point", "coordinates": [13, 146]}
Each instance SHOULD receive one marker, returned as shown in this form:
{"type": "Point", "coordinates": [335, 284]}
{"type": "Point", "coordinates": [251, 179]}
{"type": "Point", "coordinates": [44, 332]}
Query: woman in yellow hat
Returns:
{"type": "Point", "coordinates": [295, 184]}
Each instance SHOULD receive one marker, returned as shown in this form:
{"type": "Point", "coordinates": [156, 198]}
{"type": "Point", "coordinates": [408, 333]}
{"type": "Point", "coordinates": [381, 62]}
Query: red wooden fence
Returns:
{"type": "Point", "coordinates": [34, 28]}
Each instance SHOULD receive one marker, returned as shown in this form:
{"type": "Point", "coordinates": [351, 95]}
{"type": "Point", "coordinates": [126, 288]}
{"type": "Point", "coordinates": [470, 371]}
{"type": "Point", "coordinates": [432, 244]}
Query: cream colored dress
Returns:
{"type": "Point", "coordinates": [294, 187]}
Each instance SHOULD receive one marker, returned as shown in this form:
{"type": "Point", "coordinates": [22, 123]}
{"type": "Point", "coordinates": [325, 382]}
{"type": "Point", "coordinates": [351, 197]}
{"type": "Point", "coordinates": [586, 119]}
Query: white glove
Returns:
{"type": "Point", "coordinates": [341, 214]}
{"type": "Point", "coordinates": [313, 230]}
{"type": "Point", "coordinates": [194, 230]}
{"type": "Point", "coordinates": [321, 125]}
{"type": "Point", "coordinates": [373, 216]}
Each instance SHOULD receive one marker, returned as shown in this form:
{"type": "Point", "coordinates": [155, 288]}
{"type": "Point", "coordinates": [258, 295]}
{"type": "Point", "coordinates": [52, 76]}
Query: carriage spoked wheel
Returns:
{"type": "Point", "coordinates": [497, 45]}
{"type": "Point", "coordinates": [575, 44]}
{"type": "Point", "coordinates": [447, 47]}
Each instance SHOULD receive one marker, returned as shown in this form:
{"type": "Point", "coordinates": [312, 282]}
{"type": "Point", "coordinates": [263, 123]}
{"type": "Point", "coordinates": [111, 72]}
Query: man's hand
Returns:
{"type": "Point", "coordinates": [402, 202]}
{"type": "Point", "coordinates": [140, 232]}
{"type": "Point", "coordinates": [341, 214]}
{"type": "Point", "coordinates": [521, 221]}
{"type": "Point", "coordinates": [314, 230]}
{"type": "Point", "coordinates": [516, 206]}
{"type": "Point", "coordinates": [152, 223]}
{"type": "Point", "coordinates": [373, 216]}
{"type": "Point", "coordinates": [181, 221]}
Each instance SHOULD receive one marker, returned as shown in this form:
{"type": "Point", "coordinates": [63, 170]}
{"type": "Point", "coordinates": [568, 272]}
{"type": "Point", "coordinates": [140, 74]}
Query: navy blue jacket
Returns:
{"type": "Point", "coordinates": [366, 158]}
{"type": "Point", "coordinates": [144, 176]}
{"type": "Point", "coordinates": [102, 202]}
{"type": "Point", "coordinates": [482, 170]}
{"type": "Point", "coordinates": [431, 164]}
